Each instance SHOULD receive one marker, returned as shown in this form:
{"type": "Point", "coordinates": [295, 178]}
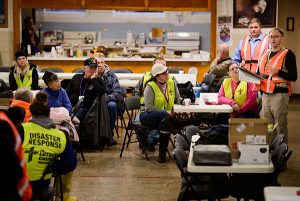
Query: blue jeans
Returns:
{"type": "Point", "coordinates": [81, 113]}
{"type": "Point", "coordinates": [112, 111]}
{"type": "Point", "coordinates": [154, 119]}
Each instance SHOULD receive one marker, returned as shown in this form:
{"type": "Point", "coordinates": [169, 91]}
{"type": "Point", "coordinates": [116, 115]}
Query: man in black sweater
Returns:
{"type": "Point", "coordinates": [86, 86]}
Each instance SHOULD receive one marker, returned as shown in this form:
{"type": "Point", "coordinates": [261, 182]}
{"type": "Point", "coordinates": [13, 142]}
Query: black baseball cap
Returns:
{"type": "Point", "coordinates": [91, 62]}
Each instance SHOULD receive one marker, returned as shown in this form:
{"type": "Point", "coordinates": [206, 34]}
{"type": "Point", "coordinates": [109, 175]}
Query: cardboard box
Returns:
{"type": "Point", "coordinates": [240, 127]}
{"type": "Point", "coordinates": [253, 153]}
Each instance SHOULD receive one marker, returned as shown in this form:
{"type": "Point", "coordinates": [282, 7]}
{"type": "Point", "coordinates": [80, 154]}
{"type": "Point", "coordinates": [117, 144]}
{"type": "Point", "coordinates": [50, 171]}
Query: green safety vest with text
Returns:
{"type": "Point", "coordinates": [161, 101]}
{"type": "Point", "coordinates": [40, 146]}
{"type": "Point", "coordinates": [27, 81]}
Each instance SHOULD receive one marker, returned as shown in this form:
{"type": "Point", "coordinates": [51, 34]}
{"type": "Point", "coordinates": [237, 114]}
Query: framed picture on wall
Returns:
{"type": "Point", "coordinates": [3, 14]}
{"type": "Point", "coordinates": [245, 10]}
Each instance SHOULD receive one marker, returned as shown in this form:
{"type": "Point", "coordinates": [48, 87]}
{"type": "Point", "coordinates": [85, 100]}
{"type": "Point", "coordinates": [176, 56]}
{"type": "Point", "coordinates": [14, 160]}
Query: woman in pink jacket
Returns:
{"type": "Point", "coordinates": [240, 95]}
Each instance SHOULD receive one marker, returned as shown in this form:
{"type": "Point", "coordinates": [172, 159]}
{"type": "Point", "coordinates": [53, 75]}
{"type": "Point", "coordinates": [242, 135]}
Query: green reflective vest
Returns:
{"type": "Point", "coordinates": [40, 146]}
{"type": "Point", "coordinates": [27, 81]}
{"type": "Point", "coordinates": [164, 101]}
{"type": "Point", "coordinates": [146, 78]}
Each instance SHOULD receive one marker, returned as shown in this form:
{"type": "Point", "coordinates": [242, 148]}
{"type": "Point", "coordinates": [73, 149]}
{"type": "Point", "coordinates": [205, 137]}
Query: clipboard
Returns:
{"type": "Point", "coordinates": [248, 76]}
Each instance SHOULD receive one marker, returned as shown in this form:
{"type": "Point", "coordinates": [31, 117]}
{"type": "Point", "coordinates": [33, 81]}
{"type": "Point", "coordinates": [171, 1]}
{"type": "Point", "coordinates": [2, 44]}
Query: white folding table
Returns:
{"type": "Point", "coordinates": [282, 193]}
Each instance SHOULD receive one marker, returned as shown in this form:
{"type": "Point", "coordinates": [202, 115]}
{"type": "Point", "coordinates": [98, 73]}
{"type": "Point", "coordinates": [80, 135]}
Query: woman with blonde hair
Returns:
{"type": "Point", "coordinates": [23, 74]}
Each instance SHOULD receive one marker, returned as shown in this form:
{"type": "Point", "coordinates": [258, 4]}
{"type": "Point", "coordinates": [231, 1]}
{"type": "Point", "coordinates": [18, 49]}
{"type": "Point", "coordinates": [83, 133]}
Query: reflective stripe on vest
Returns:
{"type": "Point", "coordinates": [251, 62]}
{"type": "Point", "coordinates": [27, 80]}
{"type": "Point", "coordinates": [40, 146]}
{"type": "Point", "coordinates": [146, 78]}
{"type": "Point", "coordinates": [160, 100]}
{"type": "Point", "coordinates": [24, 189]}
{"type": "Point", "coordinates": [268, 85]}
{"type": "Point", "coordinates": [240, 93]}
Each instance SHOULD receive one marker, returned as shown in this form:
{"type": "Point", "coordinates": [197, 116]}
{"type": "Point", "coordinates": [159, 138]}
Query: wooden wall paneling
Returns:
{"type": "Point", "coordinates": [54, 4]}
{"type": "Point", "coordinates": [213, 28]}
{"type": "Point", "coordinates": [115, 4]}
{"type": "Point", "coordinates": [16, 26]}
{"type": "Point", "coordinates": [179, 5]}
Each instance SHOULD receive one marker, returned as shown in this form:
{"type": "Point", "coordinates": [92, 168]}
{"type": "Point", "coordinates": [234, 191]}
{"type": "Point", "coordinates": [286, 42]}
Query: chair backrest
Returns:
{"type": "Point", "coordinates": [181, 160]}
{"type": "Point", "coordinates": [279, 158]}
{"type": "Point", "coordinates": [276, 142]}
{"type": "Point", "coordinates": [181, 143]}
{"type": "Point", "coordinates": [219, 84]}
{"type": "Point", "coordinates": [78, 70]}
{"type": "Point", "coordinates": [120, 70]}
{"type": "Point", "coordinates": [54, 70]}
{"type": "Point", "coordinates": [4, 69]}
{"type": "Point", "coordinates": [133, 102]}
{"type": "Point", "coordinates": [174, 70]}
{"type": "Point", "coordinates": [207, 82]}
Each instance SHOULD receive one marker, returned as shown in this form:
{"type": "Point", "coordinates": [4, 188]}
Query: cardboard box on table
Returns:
{"type": "Point", "coordinates": [240, 127]}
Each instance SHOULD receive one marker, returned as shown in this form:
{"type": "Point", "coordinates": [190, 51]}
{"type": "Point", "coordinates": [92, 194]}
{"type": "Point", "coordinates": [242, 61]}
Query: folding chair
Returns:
{"type": "Point", "coordinates": [199, 186]}
{"type": "Point", "coordinates": [132, 107]}
{"type": "Point", "coordinates": [120, 112]}
{"type": "Point", "coordinates": [54, 191]}
{"type": "Point", "coordinates": [74, 111]}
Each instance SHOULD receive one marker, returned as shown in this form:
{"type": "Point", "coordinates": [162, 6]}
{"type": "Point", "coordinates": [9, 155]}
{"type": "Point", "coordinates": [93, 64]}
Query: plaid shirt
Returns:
{"type": "Point", "coordinates": [112, 86]}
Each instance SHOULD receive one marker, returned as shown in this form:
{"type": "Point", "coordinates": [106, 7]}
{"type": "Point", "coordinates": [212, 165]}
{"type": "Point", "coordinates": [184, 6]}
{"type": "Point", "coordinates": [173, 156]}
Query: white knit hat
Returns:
{"type": "Point", "coordinates": [158, 69]}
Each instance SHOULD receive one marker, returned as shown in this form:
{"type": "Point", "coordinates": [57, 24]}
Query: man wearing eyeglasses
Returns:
{"type": "Point", "coordinates": [278, 67]}
{"type": "Point", "coordinates": [113, 90]}
{"type": "Point", "coordinates": [250, 48]}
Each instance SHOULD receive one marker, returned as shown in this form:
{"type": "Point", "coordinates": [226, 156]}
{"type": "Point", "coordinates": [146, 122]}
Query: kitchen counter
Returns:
{"type": "Point", "coordinates": [36, 58]}
{"type": "Point", "coordinates": [135, 64]}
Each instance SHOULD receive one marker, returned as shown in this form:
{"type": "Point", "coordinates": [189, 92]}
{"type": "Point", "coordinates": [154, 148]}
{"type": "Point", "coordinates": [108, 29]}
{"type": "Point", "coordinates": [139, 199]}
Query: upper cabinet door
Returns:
{"type": "Point", "coordinates": [190, 5]}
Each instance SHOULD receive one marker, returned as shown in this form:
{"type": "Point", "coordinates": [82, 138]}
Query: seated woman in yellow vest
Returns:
{"type": "Point", "coordinates": [238, 94]}
{"type": "Point", "coordinates": [42, 143]}
{"type": "Point", "coordinates": [23, 74]}
{"type": "Point", "coordinates": [160, 94]}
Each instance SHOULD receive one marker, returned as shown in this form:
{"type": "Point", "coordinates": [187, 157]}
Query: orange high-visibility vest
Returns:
{"type": "Point", "coordinates": [23, 186]}
{"type": "Point", "coordinates": [277, 61]}
{"type": "Point", "coordinates": [251, 62]}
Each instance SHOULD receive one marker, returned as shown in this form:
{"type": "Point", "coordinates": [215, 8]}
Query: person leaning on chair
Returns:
{"type": "Point", "coordinates": [278, 67]}
{"type": "Point", "coordinates": [86, 86]}
{"type": "Point", "coordinates": [220, 64]}
{"type": "Point", "coordinates": [160, 93]}
{"type": "Point", "coordinates": [42, 143]}
{"type": "Point", "coordinates": [23, 73]}
{"type": "Point", "coordinates": [113, 90]}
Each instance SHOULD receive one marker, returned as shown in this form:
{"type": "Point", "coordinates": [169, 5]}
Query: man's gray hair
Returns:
{"type": "Point", "coordinates": [24, 94]}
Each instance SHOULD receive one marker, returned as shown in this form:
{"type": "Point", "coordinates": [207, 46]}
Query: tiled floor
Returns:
{"type": "Point", "coordinates": [107, 177]}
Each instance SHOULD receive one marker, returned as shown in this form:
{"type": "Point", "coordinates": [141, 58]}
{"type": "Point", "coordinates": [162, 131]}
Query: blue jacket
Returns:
{"type": "Point", "coordinates": [58, 98]}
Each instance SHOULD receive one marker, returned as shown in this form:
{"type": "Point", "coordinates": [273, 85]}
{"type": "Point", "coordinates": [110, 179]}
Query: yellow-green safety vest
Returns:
{"type": "Point", "coordinates": [147, 77]}
{"type": "Point", "coordinates": [240, 94]}
{"type": "Point", "coordinates": [40, 146]}
{"type": "Point", "coordinates": [27, 81]}
{"type": "Point", "coordinates": [160, 100]}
